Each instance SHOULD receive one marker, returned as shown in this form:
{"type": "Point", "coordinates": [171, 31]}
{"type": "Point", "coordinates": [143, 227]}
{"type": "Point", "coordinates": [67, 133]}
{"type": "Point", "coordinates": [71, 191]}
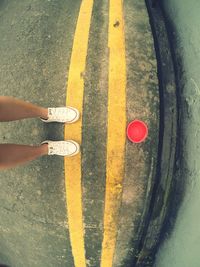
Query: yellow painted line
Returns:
{"type": "Point", "coordinates": [116, 136]}
{"type": "Point", "coordinates": [75, 91]}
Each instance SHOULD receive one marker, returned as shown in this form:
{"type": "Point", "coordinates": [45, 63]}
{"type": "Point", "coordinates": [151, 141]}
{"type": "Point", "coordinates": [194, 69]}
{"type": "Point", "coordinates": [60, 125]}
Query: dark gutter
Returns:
{"type": "Point", "coordinates": [163, 189]}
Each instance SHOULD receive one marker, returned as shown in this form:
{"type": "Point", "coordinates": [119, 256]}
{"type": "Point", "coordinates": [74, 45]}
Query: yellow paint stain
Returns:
{"type": "Point", "coordinates": [116, 136]}
{"type": "Point", "coordinates": [75, 91]}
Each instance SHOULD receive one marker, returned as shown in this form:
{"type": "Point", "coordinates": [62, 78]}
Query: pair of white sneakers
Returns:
{"type": "Point", "coordinates": [67, 148]}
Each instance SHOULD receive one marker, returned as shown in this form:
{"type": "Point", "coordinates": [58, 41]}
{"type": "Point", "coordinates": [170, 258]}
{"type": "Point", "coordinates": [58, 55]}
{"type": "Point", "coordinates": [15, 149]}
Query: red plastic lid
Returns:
{"type": "Point", "coordinates": [137, 131]}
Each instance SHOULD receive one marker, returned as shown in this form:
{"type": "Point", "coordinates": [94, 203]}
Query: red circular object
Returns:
{"type": "Point", "coordinates": [137, 131]}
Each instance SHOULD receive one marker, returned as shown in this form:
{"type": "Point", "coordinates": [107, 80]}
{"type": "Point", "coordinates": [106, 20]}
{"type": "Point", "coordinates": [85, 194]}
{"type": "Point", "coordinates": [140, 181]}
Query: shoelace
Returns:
{"type": "Point", "coordinates": [56, 113]}
{"type": "Point", "coordinates": [59, 148]}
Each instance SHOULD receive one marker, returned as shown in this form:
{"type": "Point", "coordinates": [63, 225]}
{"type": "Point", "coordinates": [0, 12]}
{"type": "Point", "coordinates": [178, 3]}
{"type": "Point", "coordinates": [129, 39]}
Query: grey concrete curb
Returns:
{"type": "Point", "coordinates": [162, 191]}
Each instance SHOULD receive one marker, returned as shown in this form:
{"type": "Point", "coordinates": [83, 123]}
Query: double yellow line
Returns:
{"type": "Point", "coordinates": [115, 135]}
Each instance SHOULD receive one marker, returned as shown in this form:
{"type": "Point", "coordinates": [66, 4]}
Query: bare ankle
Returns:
{"type": "Point", "coordinates": [44, 114]}
{"type": "Point", "coordinates": [44, 148]}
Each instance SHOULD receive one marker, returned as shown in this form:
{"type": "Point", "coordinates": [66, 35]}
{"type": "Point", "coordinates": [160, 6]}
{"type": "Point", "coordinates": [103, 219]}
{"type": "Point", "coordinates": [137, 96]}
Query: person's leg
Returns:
{"type": "Point", "coordinates": [15, 109]}
{"type": "Point", "coordinates": [12, 154]}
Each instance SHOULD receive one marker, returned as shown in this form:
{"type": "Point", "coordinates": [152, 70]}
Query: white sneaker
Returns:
{"type": "Point", "coordinates": [62, 114]}
{"type": "Point", "coordinates": [67, 148]}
